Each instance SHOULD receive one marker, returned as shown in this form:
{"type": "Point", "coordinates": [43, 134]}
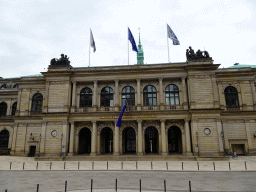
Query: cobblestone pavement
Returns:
{"type": "Point", "coordinates": [80, 181]}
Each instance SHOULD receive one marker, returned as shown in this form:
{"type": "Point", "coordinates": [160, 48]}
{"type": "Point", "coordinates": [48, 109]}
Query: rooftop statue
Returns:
{"type": "Point", "coordinates": [199, 56]}
{"type": "Point", "coordinates": [63, 61]}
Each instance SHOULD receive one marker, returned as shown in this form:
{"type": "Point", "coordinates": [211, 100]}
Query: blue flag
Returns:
{"type": "Point", "coordinates": [119, 121]}
{"type": "Point", "coordinates": [92, 42]}
{"type": "Point", "coordinates": [172, 36]}
{"type": "Point", "coordinates": [131, 39]}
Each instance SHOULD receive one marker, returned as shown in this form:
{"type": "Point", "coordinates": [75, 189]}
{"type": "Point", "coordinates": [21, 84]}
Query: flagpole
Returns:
{"type": "Point", "coordinates": [168, 46]}
{"type": "Point", "coordinates": [89, 48]}
{"type": "Point", "coordinates": [128, 44]}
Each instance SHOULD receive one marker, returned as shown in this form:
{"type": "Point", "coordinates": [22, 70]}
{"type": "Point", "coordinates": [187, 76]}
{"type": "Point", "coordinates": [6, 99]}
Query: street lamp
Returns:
{"type": "Point", "coordinates": [197, 135]}
{"type": "Point", "coordinates": [39, 145]}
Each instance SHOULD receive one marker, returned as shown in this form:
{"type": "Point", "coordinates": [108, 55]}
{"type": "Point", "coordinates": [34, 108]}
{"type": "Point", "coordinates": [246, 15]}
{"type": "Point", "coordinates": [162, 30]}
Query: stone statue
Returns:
{"type": "Point", "coordinates": [64, 60]}
{"type": "Point", "coordinates": [199, 56]}
{"type": "Point", "coordinates": [206, 54]}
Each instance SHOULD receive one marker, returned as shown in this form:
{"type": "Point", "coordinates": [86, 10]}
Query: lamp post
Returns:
{"type": "Point", "coordinates": [39, 145]}
{"type": "Point", "coordinates": [61, 145]}
{"type": "Point", "coordinates": [197, 135]}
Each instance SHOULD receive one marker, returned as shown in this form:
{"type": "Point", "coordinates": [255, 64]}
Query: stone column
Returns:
{"type": "Point", "coordinates": [253, 94]}
{"type": "Point", "coordinates": [17, 113]}
{"type": "Point", "coordinates": [240, 98]}
{"type": "Point", "coordinates": [11, 137]}
{"type": "Point", "coordinates": [219, 129]}
{"type": "Point", "coordinates": [161, 93]}
{"type": "Point", "coordinates": [45, 107]}
{"type": "Point", "coordinates": [14, 139]}
{"type": "Point", "coordinates": [221, 96]}
{"type": "Point", "coordinates": [24, 133]}
{"type": "Point", "coordinates": [194, 137]}
{"type": "Point", "coordinates": [116, 99]}
{"type": "Point", "coordinates": [73, 107]}
{"type": "Point", "coordinates": [215, 92]}
{"type": "Point", "coordinates": [226, 143]}
{"type": "Point", "coordinates": [248, 134]}
{"type": "Point", "coordinates": [65, 137]}
{"type": "Point", "coordinates": [94, 100]}
{"type": "Point", "coordinates": [9, 102]}
{"type": "Point", "coordinates": [184, 92]}
{"type": "Point", "coordinates": [140, 139]}
{"type": "Point", "coordinates": [94, 138]}
{"type": "Point", "coordinates": [44, 124]}
{"type": "Point", "coordinates": [164, 145]}
{"type": "Point", "coordinates": [116, 140]}
{"type": "Point", "coordinates": [138, 96]}
{"type": "Point", "coordinates": [191, 92]}
{"type": "Point", "coordinates": [187, 133]}
{"type": "Point", "coordinates": [72, 136]}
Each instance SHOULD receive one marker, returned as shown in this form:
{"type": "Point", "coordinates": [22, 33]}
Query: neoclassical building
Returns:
{"type": "Point", "coordinates": [191, 108]}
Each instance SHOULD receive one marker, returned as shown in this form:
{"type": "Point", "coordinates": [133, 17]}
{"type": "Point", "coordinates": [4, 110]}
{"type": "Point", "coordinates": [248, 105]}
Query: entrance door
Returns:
{"type": "Point", "coordinates": [106, 140]}
{"type": "Point", "coordinates": [129, 137]}
{"type": "Point", "coordinates": [84, 141]}
{"type": "Point", "coordinates": [174, 140]}
{"type": "Point", "coordinates": [32, 151]}
{"type": "Point", "coordinates": [151, 140]}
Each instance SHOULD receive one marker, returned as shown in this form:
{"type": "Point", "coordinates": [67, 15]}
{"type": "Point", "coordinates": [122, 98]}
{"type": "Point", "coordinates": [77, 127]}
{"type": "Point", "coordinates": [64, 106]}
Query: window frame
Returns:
{"type": "Point", "coordinates": [172, 95]}
{"type": "Point", "coordinates": [147, 98]}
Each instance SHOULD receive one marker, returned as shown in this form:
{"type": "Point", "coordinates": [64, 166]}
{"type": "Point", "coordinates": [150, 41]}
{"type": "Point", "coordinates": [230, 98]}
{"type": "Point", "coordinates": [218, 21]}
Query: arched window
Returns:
{"type": "Point", "coordinates": [16, 86]}
{"type": "Point", "coordinates": [106, 97]}
{"type": "Point", "coordinates": [128, 94]}
{"type": "Point", "coordinates": [3, 109]}
{"type": "Point", "coordinates": [37, 102]}
{"type": "Point", "coordinates": [14, 107]}
{"type": "Point", "coordinates": [86, 97]}
{"type": "Point", "coordinates": [4, 139]}
{"type": "Point", "coordinates": [4, 86]}
{"type": "Point", "coordinates": [172, 95]}
{"type": "Point", "coordinates": [231, 96]}
{"type": "Point", "coordinates": [149, 95]}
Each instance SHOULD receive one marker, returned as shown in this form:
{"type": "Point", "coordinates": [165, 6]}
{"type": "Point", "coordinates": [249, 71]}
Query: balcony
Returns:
{"type": "Point", "coordinates": [35, 113]}
{"type": "Point", "coordinates": [233, 108]}
{"type": "Point", "coordinates": [173, 107]}
{"type": "Point", "coordinates": [6, 117]}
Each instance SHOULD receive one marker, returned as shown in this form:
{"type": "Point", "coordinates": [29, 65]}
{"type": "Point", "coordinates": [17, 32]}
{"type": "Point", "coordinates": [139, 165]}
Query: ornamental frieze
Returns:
{"type": "Point", "coordinates": [87, 124]}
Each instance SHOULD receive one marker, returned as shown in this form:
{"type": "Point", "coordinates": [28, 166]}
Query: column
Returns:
{"type": "Point", "coordinates": [17, 113]}
{"type": "Point", "coordinates": [253, 94]}
{"type": "Point", "coordinates": [94, 138]}
{"type": "Point", "coordinates": [184, 92]}
{"type": "Point", "coordinates": [219, 129]}
{"type": "Point", "coordinates": [161, 93]}
{"type": "Point", "coordinates": [14, 138]}
{"type": "Point", "coordinates": [248, 134]}
{"type": "Point", "coordinates": [187, 133]}
{"type": "Point", "coordinates": [138, 96]}
{"type": "Point", "coordinates": [72, 134]}
{"type": "Point", "coordinates": [116, 140]}
{"type": "Point", "coordinates": [24, 133]}
{"type": "Point", "coordinates": [9, 102]}
{"type": "Point", "coordinates": [194, 137]}
{"type": "Point", "coordinates": [164, 146]}
{"type": "Point", "coordinates": [222, 97]}
{"type": "Point", "coordinates": [44, 124]}
{"type": "Point", "coordinates": [240, 98]}
{"type": "Point", "coordinates": [191, 92]}
{"type": "Point", "coordinates": [94, 100]}
{"type": "Point", "coordinates": [140, 140]}
{"type": "Point", "coordinates": [73, 107]}
{"type": "Point", "coordinates": [215, 92]}
{"type": "Point", "coordinates": [45, 107]}
{"type": "Point", "coordinates": [226, 143]}
{"type": "Point", "coordinates": [116, 99]}
{"type": "Point", "coordinates": [65, 138]}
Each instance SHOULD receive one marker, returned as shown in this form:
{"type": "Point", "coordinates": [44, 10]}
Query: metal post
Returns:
{"type": "Point", "coordinates": [116, 184]}
{"type": "Point", "coordinates": [65, 186]}
{"type": "Point", "coordinates": [37, 189]}
{"type": "Point", "coordinates": [164, 186]}
{"type": "Point", "coordinates": [91, 184]}
{"type": "Point", "coordinates": [140, 185]}
{"type": "Point", "coordinates": [189, 186]}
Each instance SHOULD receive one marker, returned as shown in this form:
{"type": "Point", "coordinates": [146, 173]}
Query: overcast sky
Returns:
{"type": "Point", "coordinates": [35, 31]}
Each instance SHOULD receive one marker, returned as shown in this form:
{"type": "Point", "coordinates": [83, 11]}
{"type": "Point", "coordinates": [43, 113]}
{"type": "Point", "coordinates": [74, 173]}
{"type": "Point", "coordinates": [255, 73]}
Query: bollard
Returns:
{"type": "Point", "coordinates": [213, 166]}
{"type": "Point", "coordinates": [151, 165]}
{"type": "Point", "coordinates": [10, 165]}
{"type": "Point", "coordinates": [182, 165]}
{"type": "Point", "coordinates": [164, 186]}
{"type": "Point", "coordinates": [78, 165]}
{"type": "Point", "coordinates": [36, 165]}
{"type": "Point", "coordinates": [107, 164]}
{"type": "Point", "coordinates": [23, 165]}
{"type": "Point", "coordinates": [6, 190]}
{"type": "Point", "coordinates": [229, 166]}
{"type": "Point", "coordinates": [91, 184]}
{"type": "Point", "coordinates": [37, 189]}
{"type": "Point", "coordinates": [116, 184]}
{"type": "Point", "coordinates": [189, 186]}
{"type": "Point", "coordinates": [140, 185]}
{"type": "Point", "coordinates": [167, 165]}
{"type": "Point", "coordinates": [65, 186]}
{"type": "Point", "coordinates": [245, 165]}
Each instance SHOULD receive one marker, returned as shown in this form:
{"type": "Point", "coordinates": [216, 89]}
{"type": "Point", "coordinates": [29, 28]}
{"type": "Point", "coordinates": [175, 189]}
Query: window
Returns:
{"type": "Point", "coordinates": [128, 94]}
{"type": "Point", "coordinates": [14, 107]}
{"type": "Point", "coordinates": [3, 109]}
{"type": "Point", "coordinates": [4, 139]}
{"type": "Point", "coordinates": [16, 86]}
{"type": "Point", "coordinates": [149, 95]}
{"type": "Point", "coordinates": [107, 97]}
{"type": "Point", "coordinates": [172, 95]}
{"type": "Point", "coordinates": [86, 97]}
{"type": "Point", "coordinates": [37, 102]}
{"type": "Point", "coordinates": [4, 86]}
{"type": "Point", "coordinates": [231, 96]}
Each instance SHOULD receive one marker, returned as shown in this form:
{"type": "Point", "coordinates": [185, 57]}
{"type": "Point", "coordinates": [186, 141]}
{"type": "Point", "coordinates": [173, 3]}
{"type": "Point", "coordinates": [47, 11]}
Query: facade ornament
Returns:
{"type": "Point", "coordinates": [198, 56]}
{"type": "Point", "coordinates": [63, 61]}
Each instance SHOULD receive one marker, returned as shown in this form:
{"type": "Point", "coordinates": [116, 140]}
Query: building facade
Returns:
{"type": "Point", "coordinates": [191, 108]}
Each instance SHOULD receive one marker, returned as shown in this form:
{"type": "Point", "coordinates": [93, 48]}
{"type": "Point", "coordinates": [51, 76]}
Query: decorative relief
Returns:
{"type": "Point", "coordinates": [109, 124]}
{"type": "Point", "coordinates": [132, 124]}
{"type": "Point", "coordinates": [147, 124]}
{"type": "Point", "coordinates": [177, 123]}
{"type": "Point", "coordinates": [80, 125]}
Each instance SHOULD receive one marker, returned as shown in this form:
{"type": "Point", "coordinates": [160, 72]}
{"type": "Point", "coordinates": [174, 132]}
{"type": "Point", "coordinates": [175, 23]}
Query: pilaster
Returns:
{"type": "Point", "coordinates": [116, 95]}
{"type": "Point", "coordinates": [14, 139]}
{"type": "Point", "coordinates": [42, 145]}
{"type": "Point", "coordinates": [220, 136]}
{"type": "Point", "coordinates": [73, 108]}
{"type": "Point", "coordinates": [94, 100]}
{"type": "Point", "coordinates": [164, 146]}
{"type": "Point", "coordinates": [45, 107]}
{"type": "Point", "coordinates": [140, 139]}
{"type": "Point", "coordinates": [161, 93]}
{"type": "Point", "coordinates": [116, 140]}
{"type": "Point", "coordinates": [138, 95]}
{"type": "Point", "coordinates": [248, 134]}
{"type": "Point", "coordinates": [72, 134]}
{"type": "Point", "coordinates": [187, 133]}
{"type": "Point", "coordinates": [184, 93]}
{"type": "Point", "coordinates": [94, 138]}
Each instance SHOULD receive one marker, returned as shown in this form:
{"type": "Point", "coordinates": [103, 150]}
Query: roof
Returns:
{"type": "Point", "coordinates": [237, 65]}
{"type": "Point", "coordinates": [37, 75]}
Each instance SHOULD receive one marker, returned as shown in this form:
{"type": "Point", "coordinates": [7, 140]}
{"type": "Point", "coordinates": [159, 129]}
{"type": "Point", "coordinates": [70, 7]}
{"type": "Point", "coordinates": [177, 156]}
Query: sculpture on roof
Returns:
{"type": "Point", "coordinates": [199, 56]}
{"type": "Point", "coordinates": [64, 60]}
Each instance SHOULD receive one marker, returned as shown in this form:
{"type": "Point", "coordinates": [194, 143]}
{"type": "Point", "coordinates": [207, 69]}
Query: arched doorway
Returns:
{"type": "Point", "coordinates": [4, 139]}
{"type": "Point", "coordinates": [151, 140]}
{"type": "Point", "coordinates": [174, 140]}
{"type": "Point", "coordinates": [129, 140]}
{"type": "Point", "coordinates": [84, 141]}
{"type": "Point", "coordinates": [106, 140]}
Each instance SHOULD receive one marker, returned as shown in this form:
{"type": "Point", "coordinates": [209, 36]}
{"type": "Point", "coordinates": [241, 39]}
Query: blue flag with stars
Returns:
{"type": "Point", "coordinates": [119, 121]}
{"type": "Point", "coordinates": [131, 39]}
{"type": "Point", "coordinates": [172, 36]}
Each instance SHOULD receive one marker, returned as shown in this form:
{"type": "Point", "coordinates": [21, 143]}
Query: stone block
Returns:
{"type": "Point", "coordinates": [237, 165]}
{"type": "Point", "coordinates": [190, 165]}
{"type": "Point", "coordinates": [85, 165]}
{"type": "Point", "coordinates": [71, 165]}
{"type": "Point", "coordinates": [144, 165]}
{"type": "Point", "coordinates": [100, 165]}
{"type": "Point", "coordinates": [159, 165]}
{"type": "Point", "coordinates": [206, 166]}
{"type": "Point", "coordinates": [221, 165]}
{"type": "Point", "coordinates": [114, 165]}
{"type": "Point", "coordinates": [174, 165]}
{"type": "Point", "coordinates": [44, 165]}
{"type": "Point", "coordinates": [251, 165]}
{"type": "Point", "coordinates": [129, 165]}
